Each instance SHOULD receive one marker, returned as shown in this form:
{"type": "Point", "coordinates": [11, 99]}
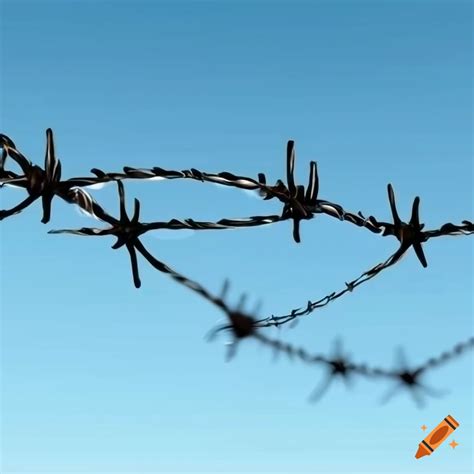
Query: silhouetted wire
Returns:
{"type": "Point", "coordinates": [313, 305]}
{"type": "Point", "coordinates": [298, 204]}
{"type": "Point", "coordinates": [127, 231]}
{"type": "Point", "coordinates": [38, 182]}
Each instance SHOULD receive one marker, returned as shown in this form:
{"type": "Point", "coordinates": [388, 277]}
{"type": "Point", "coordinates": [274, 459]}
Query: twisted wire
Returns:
{"type": "Point", "coordinates": [299, 203]}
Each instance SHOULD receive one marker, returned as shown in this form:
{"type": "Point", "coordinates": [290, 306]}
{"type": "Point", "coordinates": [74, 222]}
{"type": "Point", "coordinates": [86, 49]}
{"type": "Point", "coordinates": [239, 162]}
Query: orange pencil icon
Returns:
{"type": "Point", "coordinates": [436, 437]}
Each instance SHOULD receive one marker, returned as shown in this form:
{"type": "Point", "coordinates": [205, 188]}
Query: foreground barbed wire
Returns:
{"type": "Point", "coordinates": [299, 203]}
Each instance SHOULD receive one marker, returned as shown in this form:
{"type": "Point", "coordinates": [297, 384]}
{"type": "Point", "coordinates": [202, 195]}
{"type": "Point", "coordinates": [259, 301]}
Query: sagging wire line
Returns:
{"type": "Point", "coordinates": [245, 325]}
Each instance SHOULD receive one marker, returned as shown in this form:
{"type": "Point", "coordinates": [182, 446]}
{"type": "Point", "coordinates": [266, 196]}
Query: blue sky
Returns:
{"type": "Point", "coordinates": [100, 377]}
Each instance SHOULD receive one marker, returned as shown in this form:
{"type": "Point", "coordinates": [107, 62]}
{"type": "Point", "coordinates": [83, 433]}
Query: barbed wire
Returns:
{"type": "Point", "coordinates": [339, 366]}
{"type": "Point", "coordinates": [299, 203]}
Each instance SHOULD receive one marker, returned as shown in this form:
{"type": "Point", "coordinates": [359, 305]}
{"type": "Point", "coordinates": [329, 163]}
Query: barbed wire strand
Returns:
{"type": "Point", "coordinates": [299, 204]}
{"type": "Point", "coordinates": [47, 183]}
{"type": "Point", "coordinates": [340, 366]}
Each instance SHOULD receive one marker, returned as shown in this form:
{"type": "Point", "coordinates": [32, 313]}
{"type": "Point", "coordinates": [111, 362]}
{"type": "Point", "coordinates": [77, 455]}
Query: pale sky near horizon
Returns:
{"type": "Point", "coordinates": [99, 377]}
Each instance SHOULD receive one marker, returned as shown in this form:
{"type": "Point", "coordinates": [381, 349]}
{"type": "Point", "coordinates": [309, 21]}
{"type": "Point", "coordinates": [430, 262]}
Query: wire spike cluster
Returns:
{"type": "Point", "coordinates": [408, 234]}
{"type": "Point", "coordinates": [298, 204]}
{"type": "Point", "coordinates": [240, 324]}
{"type": "Point", "coordinates": [410, 379]}
{"type": "Point", "coordinates": [41, 183]}
{"type": "Point", "coordinates": [338, 366]}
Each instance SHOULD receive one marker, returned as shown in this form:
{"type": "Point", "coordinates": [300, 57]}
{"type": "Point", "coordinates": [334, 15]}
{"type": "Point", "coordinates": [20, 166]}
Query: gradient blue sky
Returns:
{"type": "Point", "coordinates": [98, 377]}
